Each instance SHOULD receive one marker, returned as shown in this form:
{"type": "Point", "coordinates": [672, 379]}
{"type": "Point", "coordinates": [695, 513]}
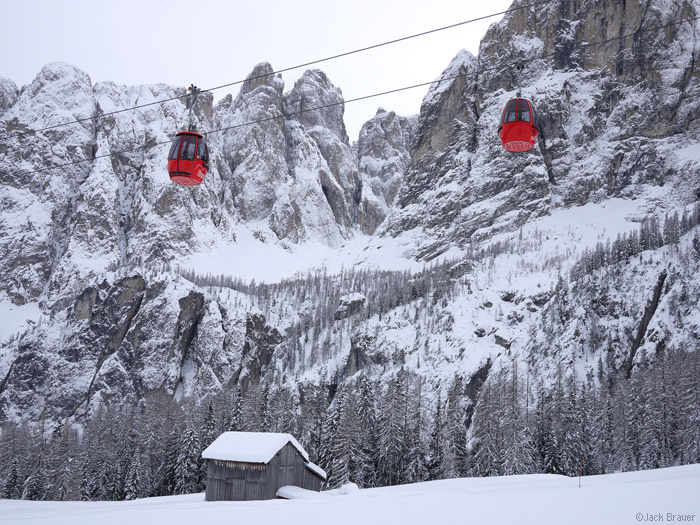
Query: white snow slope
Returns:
{"type": "Point", "coordinates": [664, 495]}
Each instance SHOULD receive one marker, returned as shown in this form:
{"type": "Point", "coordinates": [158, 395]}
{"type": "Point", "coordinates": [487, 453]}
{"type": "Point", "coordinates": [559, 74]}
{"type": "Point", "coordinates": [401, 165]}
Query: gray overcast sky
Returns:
{"type": "Point", "coordinates": [214, 42]}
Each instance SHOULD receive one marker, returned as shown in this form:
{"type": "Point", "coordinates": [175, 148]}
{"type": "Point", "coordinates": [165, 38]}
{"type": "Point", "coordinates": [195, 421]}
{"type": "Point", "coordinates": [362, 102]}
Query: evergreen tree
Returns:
{"type": "Point", "coordinates": [485, 446]}
{"type": "Point", "coordinates": [348, 458]}
{"type": "Point", "coordinates": [369, 432]}
{"type": "Point", "coordinates": [636, 412]}
{"type": "Point", "coordinates": [317, 438]}
{"type": "Point", "coordinates": [169, 466]}
{"type": "Point", "coordinates": [391, 429]}
{"type": "Point", "coordinates": [267, 412]}
{"type": "Point", "coordinates": [455, 431]}
{"type": "Point", "coordinates": [12, 487]}
{"type": "Point", "coordinates": [237, 415]}
{"type": "Point", "coordinates": [585, 434]}
{"type": "Point", "coordinates": [689, 424]}
{"type": "Point", "coordinates": [415, 469]}
{"type": "Point", "coordinates": [209, 433]}
{"type": "Point", "coordinates": [187, 468]}
{"type": "Point", "coordinates": [545, 438]}
{"type": "Point", "coordinates": [436, 446]}
{"type": "Point", "coordinates": [88, 483]}
{"type": "Point", "coordinates": [604, 436]}
{"type": "Point", "coordinates": [60, 471]}
{"type": "Point", "coordinates": [568, 430]}
{"type": "Point", "coordinates": [518, 453]}
{"type": "Point", "coordinates": [133, 484]}
{"type": "Point", "coordinates": [35, 485]}
{"type": "Point", "coordinates": [115, 484]}
{"type": "Point", "coordinates": [331, 422]}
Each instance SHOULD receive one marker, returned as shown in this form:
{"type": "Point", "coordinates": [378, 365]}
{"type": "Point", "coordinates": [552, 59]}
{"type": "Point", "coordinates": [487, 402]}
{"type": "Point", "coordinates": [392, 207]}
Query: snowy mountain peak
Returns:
{"type": "Point", "coordinates": [262, 75]}
{"type": "Point", "coordinates": [315, 90]}
{"type": "Point", "coordinates": [8, 94]}
{"type": "Point", "coordinates": [382, 152]}
{"type": "Point", "coordinates": [60, 93]}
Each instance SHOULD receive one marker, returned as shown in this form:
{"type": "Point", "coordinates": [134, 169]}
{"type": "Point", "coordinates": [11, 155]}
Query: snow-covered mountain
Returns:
{"type": "Point", "coordinates": [423, 249]}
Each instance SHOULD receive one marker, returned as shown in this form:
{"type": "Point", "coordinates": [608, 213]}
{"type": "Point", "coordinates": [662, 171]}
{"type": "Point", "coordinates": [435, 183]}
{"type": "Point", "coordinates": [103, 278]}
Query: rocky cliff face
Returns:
{"type": "Point", "coordinates": [324, 130]}
{"type": "Point", "coordinates": [8, 94]}
{"type": "Point", "coordinates": [612, 116]}
{"type": "Point", "coordinates": [620, 98]}
{"type": "Point", "coordinates": [382, 157]}
{"type": "Point", "coordinates": [289, 179]}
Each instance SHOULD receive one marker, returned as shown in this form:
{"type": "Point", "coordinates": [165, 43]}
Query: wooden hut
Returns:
{"type": "Point", "coordinates": [244, 466]}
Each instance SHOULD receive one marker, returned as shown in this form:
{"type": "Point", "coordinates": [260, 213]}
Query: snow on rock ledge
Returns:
{"type": "Point", "coordinates": [350, 305]}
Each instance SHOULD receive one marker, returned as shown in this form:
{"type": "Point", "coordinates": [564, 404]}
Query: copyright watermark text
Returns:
{"type": "Point", "coordinates": [664, 517]}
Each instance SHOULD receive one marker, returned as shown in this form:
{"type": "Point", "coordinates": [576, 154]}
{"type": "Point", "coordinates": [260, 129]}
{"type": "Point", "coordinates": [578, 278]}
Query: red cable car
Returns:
{"type": "Point", "coordinates": [188, 160]}
{"type": "Point", "coordinates": [518, 130]}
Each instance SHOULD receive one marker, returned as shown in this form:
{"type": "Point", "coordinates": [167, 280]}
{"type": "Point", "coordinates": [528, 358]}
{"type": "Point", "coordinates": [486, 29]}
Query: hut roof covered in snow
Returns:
{"type": "Point", "coordinates": [250, 447]}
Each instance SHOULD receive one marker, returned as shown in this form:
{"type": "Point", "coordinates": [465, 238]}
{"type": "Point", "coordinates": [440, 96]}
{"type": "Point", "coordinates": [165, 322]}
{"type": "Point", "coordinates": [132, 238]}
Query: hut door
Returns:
{"type": "Point", "coordinates": [235, 489]}
{"type": "Point", "coordinates": [286, 475]}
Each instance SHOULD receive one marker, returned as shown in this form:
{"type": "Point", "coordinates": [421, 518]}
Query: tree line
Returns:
{"type": "Point", "coordinates": [376, 434]}
{"type": "Point", "coordinates": [650, 236]}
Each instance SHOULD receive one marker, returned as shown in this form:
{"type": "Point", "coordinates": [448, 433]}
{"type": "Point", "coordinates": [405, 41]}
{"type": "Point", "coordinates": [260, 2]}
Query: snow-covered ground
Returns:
{"type": "Point", "coordinates": [15, 319]}
{"type": "Point", "coordinates": [664, 495]}
{"type": "Point", "coordinates": [565, 233]}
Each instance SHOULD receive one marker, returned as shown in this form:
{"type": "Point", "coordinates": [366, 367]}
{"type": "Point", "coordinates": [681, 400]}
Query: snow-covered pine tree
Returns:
{"type": "Point", "coordinates": [133, 485]}
{"type": "Point", "coordinates": [88, 482]}
{"type": "Point", "coordinates": [62, 482]}
{"type": "Point", "coordinates": [187, 468]}
{"type": "Point", "coordinates": [35, 485]}
{"type": "Point", "coordinates": [209, 432]}
{"type": "Point", "coordinates": [604, 435]}
{"type": "Point", "coordinates": [415, 469]}
{"type": "Point", "coordinates": [586, 431]}
{"type": "Point", "coordinates": [236, 421]}
{"type": "Point", "coordinates": [334, 414]}
{"type": "Point", "coordinates": [545, 439]}
{"type": "Point", "coordinates": [287, 411]}
{"type": "Point", "coordinates": [621, 402]}
{"type": "Point", "coordinates": [369, 432]}
{"type": "Point", "coordinates": [12, 486]}
{"type": "Point", "coordinates": [436, 446]}
{"type": "Point", "coordinates": [168, 468]}
{"type": "Point", "coordinates": [348, 460]}
{"type": "Point", "coordinates": [391, 430]}
{"type": "Point", "coordinates": [268, 422]}
{"type": "Point", "coordinates": [518, 453]}
{"type": "Point", "coordinates": [637, 408]}
{"type": "Point", "coordinates": [319, 403]}
{"type": "Point", "coordinates": [455, 434]}
{"type": "Point", "coordinates": [689, 431]}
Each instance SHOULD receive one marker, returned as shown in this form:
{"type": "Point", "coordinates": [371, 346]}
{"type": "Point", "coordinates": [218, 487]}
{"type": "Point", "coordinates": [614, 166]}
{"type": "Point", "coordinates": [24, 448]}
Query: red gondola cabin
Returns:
{"type": "Point", "coordinates": [518, 129]}
{"type": "Point", "coordinates": [188, 159]}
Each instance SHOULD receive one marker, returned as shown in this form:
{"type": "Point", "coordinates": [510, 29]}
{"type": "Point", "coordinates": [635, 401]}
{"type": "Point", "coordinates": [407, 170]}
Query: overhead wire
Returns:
{"type": "Point", "coordinates": [356, 99]}
{"type": "Point", "coordinates": [291, 68]}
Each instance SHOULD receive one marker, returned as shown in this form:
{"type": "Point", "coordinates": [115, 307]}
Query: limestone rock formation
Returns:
{"type": "Point", "coordinates": [382, 151]}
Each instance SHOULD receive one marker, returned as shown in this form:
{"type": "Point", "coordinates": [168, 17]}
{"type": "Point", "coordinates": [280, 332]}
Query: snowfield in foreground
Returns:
{"type": "Point", "coordinates": [669, 495]}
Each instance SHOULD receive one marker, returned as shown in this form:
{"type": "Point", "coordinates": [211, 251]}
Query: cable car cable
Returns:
{"type": "Point", "coordinates": [284, 70]}
{"type": "Point", "coordinates": [365, 97]}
